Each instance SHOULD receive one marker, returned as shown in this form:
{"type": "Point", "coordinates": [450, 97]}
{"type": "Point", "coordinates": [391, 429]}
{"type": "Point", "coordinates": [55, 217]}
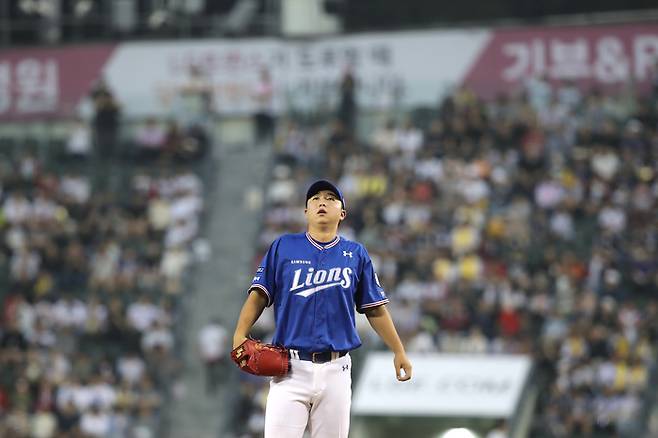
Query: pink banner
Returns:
{"type": "Point", "coordinates": [48, 83]}
{"type": "Point", "coordinates": [603, 56]}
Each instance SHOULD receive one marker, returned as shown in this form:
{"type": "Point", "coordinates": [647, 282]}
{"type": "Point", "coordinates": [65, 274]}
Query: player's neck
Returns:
{"type": "Point", "coordinates": [323, 235]}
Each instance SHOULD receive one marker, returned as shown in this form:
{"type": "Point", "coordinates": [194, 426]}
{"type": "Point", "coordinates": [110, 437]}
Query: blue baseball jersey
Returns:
{"type": "Point", "coordinates": [315, 289]}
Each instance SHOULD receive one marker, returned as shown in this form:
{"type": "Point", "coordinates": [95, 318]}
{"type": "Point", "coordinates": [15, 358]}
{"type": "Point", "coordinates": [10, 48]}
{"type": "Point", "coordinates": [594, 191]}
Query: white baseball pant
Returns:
{"type": "Point", "coordinates": [319, 394]}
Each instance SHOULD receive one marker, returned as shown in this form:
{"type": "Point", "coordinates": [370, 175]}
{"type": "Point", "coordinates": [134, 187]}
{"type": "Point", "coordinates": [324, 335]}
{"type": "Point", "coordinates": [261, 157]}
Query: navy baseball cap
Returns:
{"type": "Point", "coordinates": [323, 184]}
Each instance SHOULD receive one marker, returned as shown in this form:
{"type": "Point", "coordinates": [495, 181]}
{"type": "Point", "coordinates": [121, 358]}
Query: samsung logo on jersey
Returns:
{"type": "Point", "coordinates": [300, 262]}
{"type": "Point", "coordinates": [315, 281]}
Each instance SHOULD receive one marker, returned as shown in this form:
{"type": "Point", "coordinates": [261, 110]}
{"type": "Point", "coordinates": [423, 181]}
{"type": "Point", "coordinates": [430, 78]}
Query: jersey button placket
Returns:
{"type": "Point", "coordinates": [319, 311]}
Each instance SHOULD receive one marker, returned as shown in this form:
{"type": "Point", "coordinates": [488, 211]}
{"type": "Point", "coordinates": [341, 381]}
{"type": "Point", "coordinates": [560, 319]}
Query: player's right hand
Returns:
{"type": "Point", "coordinates": [402, 364]}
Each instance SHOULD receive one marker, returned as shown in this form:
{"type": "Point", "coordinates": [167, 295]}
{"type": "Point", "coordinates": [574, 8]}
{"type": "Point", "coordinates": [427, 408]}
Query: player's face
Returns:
{"type": "Point", "coordinates": [324, 208]}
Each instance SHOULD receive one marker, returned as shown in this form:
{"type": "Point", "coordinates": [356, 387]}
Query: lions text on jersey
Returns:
{"type": "Point", "coordinates": [315, 289]}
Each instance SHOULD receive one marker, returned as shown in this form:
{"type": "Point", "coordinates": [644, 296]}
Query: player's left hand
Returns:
{"type": "Point", "coordinates": [402, 367]}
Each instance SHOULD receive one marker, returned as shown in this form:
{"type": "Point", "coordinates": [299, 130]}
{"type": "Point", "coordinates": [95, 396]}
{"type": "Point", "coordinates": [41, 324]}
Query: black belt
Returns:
{"type": "Point", "coordinates": [317, 356]}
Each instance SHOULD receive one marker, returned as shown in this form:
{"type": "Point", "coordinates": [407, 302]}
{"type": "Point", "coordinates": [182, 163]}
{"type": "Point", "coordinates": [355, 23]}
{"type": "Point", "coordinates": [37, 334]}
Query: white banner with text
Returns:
{"type": "Point", "coordinates": [443, 385]}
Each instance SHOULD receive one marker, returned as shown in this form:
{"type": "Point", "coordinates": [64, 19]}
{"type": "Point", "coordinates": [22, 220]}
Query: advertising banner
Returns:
{"type": "Point", "coordinates": [452, 385]}
{"type": "Point", "coordinates": [43, 83]}
{"type": "Point", "coordinates": [404, 69]}
{"type": "Point", "coordinates": [399, 67]}
{"type": "Point", "coordinates": [604, 57]}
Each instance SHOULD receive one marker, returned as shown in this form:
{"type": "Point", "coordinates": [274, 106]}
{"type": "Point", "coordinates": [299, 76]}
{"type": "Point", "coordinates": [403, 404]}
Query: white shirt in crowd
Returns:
{"type": "Point", "coordinates": [16, 237]}
{"type": "Point", "coordinates": [181, 232]}
{"type": "Point", "coordinates": [497, 433]}
{"type": "Point", "coordinates": [429, 168]}
{"type": "Point", "coordinates": [58, 369]}
{"type": "Point", "coordinates": [100, 394]}
{"type": "Point", "coordinates": [185, 206]}
{"type": "Point", "coordinates": [95, 424]}
{"type": "Point", "coordinates": [44, 209]}
{"type": "Point", "coordinates": [17, 208]}
{"type": "Point", "coordinates": [105, 262]}
{"type": "Point", "coordinates": [212, 341]}
{"type": "Point", "coordinates": [385, 139]}
{"type": "Point", "coordinates": [159, 213]}
{"type": "Point", "coordinates": [151, 135]}
{"type": "Point", "coordinates": [612, 218]}
{"type": "Point", "coordinates": [169, 187]}
{"type": "Point", "coordinates": [24, 264]}
{"type": "Point", "coordinates": [76, 188]}
{"type": "Point", "coordinates": [131, 368]}
{"type": "Point", "coordinates": [410, 140]}
{"type": "Point", "coordinates": [83, 397]}
{"type": "Point", "coordinates": [79, 141]}
{"type": "Point", "coordinates": [187, 182]}
{"type": "Point", "coordinates": [142, 314]}
{"type": "Point", "coordinates": [26, 317]}
{"type": "Point", "coordinates": [282, 188]}
{"type": "Point", "coordinates": [422, 342]}
{"type": "Point", "coordinates": [103, 394]}
{"type": "Point", "coordinates": [42, 337]}
{"type": "Point", "coordinates": [158, 336]}
{"type": "Point", "coordinates": [174, 262]}
{"type": "Point", "coordinates": [43, 425]}
{"type": "Point", "coordinates": [69, 313]}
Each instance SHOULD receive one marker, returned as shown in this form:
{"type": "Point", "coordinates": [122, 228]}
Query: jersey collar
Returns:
{"type": "Point", "coordinates": [325, 246]}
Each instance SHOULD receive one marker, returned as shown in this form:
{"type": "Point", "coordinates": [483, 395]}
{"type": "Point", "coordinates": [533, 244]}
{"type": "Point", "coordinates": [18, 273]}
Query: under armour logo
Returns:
{"type": "Point", "coordinates": [346, 367]}
{"type": "Point", "coordinates": [347, 254]}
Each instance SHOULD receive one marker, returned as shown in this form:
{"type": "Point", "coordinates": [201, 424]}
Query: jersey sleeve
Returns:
{"type": "Point", "coordinates": [369, 292]}
{"type": "Point", "coordinates": [264, 280]}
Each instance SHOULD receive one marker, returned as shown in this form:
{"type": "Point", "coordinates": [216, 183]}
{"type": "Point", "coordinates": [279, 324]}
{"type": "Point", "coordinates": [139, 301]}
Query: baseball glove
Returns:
{"type": "Point", "coordinates": [261, 359]}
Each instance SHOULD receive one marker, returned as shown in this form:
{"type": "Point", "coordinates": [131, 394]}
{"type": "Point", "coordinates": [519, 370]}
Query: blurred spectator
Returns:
{"type": "Point", "coordinates": [347, 110]}
{"type": "Point", "coordinates": [213, 348]}
{"type": "Point", "coordinates": [43, 424]}
{"type": "Point", "coordinates": [16, 208]}
{"type": "Point", "coordinates": [194, 102]}
{"type": "Point", "coordinates": [263, 95]}
{"type": "Point", "coordinates": [150, 139]}
{"type": "Point", "coordinates": [539, 92]}
{"type": "Point", "coordinates": [409, 139]}
{"type": "Point", "coordinates": [499, 431]}
{"type": "Point", "coordinates": [106, 119]}
{"type": "Point", "coordinates": [75, 189]}
{"type": "Point", "coordinates": [157, 337]}
{"type": "Point", "coordinates": [79, 143]}
{"type": "Point", "coordinates": [95, 422]}
{"type": "Point", "coordinates": [173, 140]}
{"type": "Point", "coordinates": [385, 139]}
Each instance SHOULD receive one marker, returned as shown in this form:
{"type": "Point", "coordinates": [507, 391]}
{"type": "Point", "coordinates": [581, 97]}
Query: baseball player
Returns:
{"type": "Point", "coordinates": [315, 280]}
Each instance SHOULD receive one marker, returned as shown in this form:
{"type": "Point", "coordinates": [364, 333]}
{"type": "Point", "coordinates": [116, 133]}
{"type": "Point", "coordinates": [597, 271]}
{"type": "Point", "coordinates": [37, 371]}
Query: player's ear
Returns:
{"type": "Point", "coordinates": [343, 213]}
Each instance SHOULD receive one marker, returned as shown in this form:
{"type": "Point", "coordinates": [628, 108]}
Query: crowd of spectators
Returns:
{"type": "Point", "coordinates": [526, 224]}
{"type": "Point", "coordinates": [91, 279]}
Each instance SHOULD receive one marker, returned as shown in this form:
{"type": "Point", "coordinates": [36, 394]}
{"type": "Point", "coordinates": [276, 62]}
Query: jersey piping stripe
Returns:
{"type": "Point", "coordinates": [321, 247]}
{"type": "Point", "coordinates": [264, 289]}
{"type": "Point", "coordinates": [376, 303]}
{"type": "Point", "coordinates": [332, 244]}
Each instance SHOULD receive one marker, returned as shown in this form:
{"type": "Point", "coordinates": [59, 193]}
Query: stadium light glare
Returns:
{"type": "Point", "coordinates": [458, 432]}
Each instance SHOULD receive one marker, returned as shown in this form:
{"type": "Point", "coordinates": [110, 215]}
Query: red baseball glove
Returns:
{"type": "Point", "coordinates": [261, 359]}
